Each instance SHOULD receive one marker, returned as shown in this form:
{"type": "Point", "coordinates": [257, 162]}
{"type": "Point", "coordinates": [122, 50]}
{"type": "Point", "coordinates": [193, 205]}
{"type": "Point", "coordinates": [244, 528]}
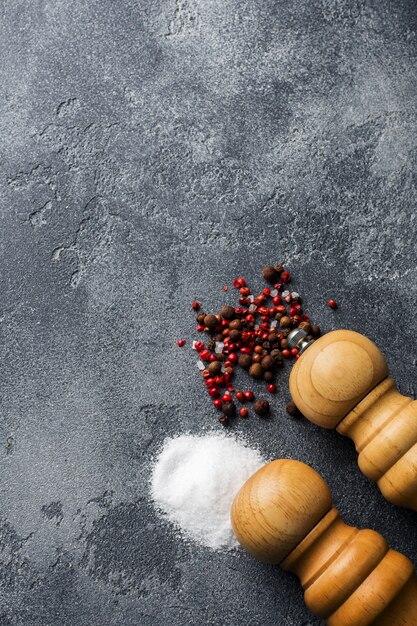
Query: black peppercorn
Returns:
{"type": "Point", "coordinates": [214, 368]}
{"type": "Point", "coordinates": [228, 312]}
{"type": "Point", "coordinates": [210, 321]}
{"type": "Point", "coordinates": [261, 407]}
{"type": "Point", "coordinates": [229, 409]}
{"type": "Point", "coordinates": [270, 274]}
{"type": "Point", "coordinates": [224, 420]}
{"type": "Point", "coordinates": [245, 361]}
{"type": "Point", "coordinates": [268, 362]}
{"type": "Point", "coordinates": [256, 370]}
{"type": "Point", "coordinates": [292, 409]}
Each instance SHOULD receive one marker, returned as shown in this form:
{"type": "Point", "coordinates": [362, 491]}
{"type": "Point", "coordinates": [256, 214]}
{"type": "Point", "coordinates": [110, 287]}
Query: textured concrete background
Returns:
{"type": "Point", "coordinates": [150, 151]}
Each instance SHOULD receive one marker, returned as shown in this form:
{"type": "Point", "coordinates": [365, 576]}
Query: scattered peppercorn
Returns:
{"type": "Point", "coordinates": [332, 304]}
{"type": "Point", "coordinates": [292, 409]}
{"type": "Point", "coordinates": [252, 336]}
{"type": "Point", "coordinates": [181, 343]}
{"type": "Point", "coordinates": [261, 407]}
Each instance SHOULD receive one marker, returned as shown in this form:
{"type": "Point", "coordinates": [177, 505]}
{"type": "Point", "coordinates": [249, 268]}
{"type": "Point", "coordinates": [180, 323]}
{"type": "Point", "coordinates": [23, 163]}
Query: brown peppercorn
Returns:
{"type": "Point", "coordinates": [245, 361]}
{"type": "Point", "coordinates": [229, 409]}
{"type": "Point", "coordinates": [292, 409]}
{"type": "Point", "coordinates": [279, 316]}
{"type": "Point", "coordinates": [258, 349]}
{"type": "Point", "coordinates": [283, 343]}
{"type": "Point", "coordinates": [221, 357]}
{"type": "Point", "coordinates": [257, 358]}
{"type": "Point", "coordinates": [285, 321]}
{"type": "Point", "coordinates": [306, 326]}
{"type": "Point", "coordinates": [268, 377]}
{"type": "Point", "coordinates": [214, 367]}
{"type": "Point", "coordinates": [210, 322]}
{"type": "Point", "coordinates": [256, 370]}
{"type": "Point", "coordinates": [279, 268]}
{"type": "Point", "coordinates": [315, 330]}
{"type": "Point", "coordinates": [235, 325]}
{"type": "Point", "coordinates": [234, 335]}
{"type": "Point", "coordinates": [261, 407]}
{"type": "Point", "coordinates": [268, 362]}
{"type": "Point", "coordinates": [200, 318]}
{"type": "Point", "coordinates": [228, 312]}
{"type": "Point", "coordinates": [270, 274]}
{"type": "Point", "coordinates": [224, 420]}
{"type": "Point", "coordinates": [273, 338]}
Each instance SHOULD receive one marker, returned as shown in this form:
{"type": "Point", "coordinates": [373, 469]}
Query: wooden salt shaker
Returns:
{"type": "Point", "coordinates": [283, 514]}
{"type": "Point", "coordinates": [341, 381]}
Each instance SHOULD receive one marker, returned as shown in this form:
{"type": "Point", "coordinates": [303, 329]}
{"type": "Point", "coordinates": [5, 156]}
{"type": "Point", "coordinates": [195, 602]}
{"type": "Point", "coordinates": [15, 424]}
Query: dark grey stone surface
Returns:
{"type": "Point", "coordinates": [150, 152]}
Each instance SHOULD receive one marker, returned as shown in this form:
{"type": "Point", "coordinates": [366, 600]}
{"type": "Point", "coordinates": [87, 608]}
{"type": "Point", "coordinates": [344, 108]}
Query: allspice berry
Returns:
{"type": "Point", "coordinates": [279, 268]}
{"type": "Point", "coordinates": [257, 358]}
{"type": "Point", "coordinates": [284, 322]}
{"type": "Point", "coordinates": [229, 409]}
{"type": "Point", "coordinates": [234, 335]}
{"type": "Point", "coordinates": [315, 330]}
{"type": "Point", "coordinates": [256, 370]}
{"type": "Point", "coordinates": [292, 409]}
{"type": "Point", "coordinates": [235, 325]}
{"type": "Point", "coordinates": [268, 362]}
{"type": "Point", "coordinates": [273, 338]}
{"type": "Point", "coordinates": [200, 318]}
{"type": "Point", "coordinates": [283, 343]}
{"type": "Point", "coordinates": [214, 368]}
{"type": "Point", "coordinates": [270, 274]}
{"type": "Point", "coordinates": [228, 312]}
{"type": "Point", "coordinates": [268, 377]}
{"type": "Point", "coordinates": [245, 361]}
{"type": "Point", "coordinates": [261, 407]}
{"type": "Point", "coordinates": [210, 321]}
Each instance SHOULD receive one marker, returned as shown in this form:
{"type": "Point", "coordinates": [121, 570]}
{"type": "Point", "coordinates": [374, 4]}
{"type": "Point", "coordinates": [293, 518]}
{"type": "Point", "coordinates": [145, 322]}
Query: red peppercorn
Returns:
{"type": "Point", "coordinates": [195, 305]}
{"type": "Point", "coordinates": [244, 291]}
{"type": "Point", "coordinates": [286, 277]}
{"type": "Point", "coordinates": [227, 377]}
{"type": "Point", "coordinates": [200, 328]}
{"type": "Point", "coordinates": [230, 387]}
{"type": "Point", "coordinates": [210, 382]}
{"type": "Point", "coordinates": [249, 319]}
{"type": "Point", "coordinates": [205, 355]}
{"type": "Point", "coordinates": [218, 404]}
{"type": "Point", "coordinates": [266, 291]}
{"type": "Point", "coordinates": [246, 350]}
{"type": "Point", "coordinates": [332, 304]}
{"type": "Point", "coordinates": [278, 286]}
{"type": "Point", "coordinates": [214, 392]}
{"type": "Point", "coordinates": [199, 346]}
{"type": "Point", "coordinates": [294, 351]}
{"type": "Point", "coordinates": [239, 282]}
{"type": "Point", "coordinates": [181, 343]}
{"type": "Point", "coordinates": [213, 357]}
{"type": "Point", "coordinates": [277, 300]}
{"type": "Point", "coordinates": [233, 358]}
{"type": "Point", "coordinates": [224, 323]}
{"type": "Point", "coordinates": [226, 397]}
{"type": "Point", "coordinates": [219, 381]}
{"type": "Point", "coordinates": [240, 396]}
{"type": "Point", "coordinates": [272, 388]}
{"type": "Point", "coordinates": [243, 412]}
{"type": "Point", "coordinates": [250, 396]}
{"type": "Point", "coordinates": [286, 353]}
{"type": "Point", "coordinates": [225, 288]}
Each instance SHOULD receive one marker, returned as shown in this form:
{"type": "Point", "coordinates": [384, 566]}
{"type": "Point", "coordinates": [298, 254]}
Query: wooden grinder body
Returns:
{"type": "Point", "coordinates": [341, 381]}
{"type": "Point", "coordinates": [283, 514]}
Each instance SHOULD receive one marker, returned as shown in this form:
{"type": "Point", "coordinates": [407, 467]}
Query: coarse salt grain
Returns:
{"type": "Point", "coordinates": [195, 480]}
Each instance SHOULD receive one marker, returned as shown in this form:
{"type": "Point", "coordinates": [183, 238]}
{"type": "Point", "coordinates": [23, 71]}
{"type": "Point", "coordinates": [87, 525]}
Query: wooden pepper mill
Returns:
{"type": "Point", "coordinates": [341, 381]}
{"type": "Point", "coordinates": [283, 514]}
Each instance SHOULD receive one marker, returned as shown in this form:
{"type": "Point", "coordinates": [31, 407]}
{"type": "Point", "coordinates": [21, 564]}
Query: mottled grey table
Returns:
{"type": "Point", "coordinates": [150, 151]}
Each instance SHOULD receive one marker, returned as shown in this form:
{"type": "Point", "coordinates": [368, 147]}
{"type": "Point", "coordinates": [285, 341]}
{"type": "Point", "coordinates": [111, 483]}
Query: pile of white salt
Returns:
{"type": "Point", "coordinates": [195, 480]}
